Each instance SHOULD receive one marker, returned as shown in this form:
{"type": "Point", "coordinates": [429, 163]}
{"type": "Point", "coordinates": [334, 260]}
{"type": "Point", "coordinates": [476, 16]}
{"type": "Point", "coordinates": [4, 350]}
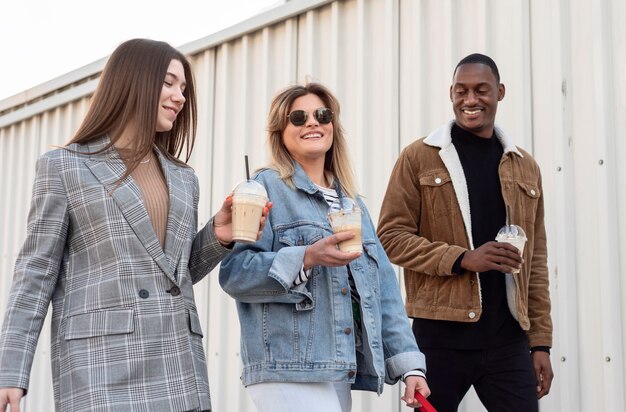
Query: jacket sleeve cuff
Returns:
{"type": "Point", "coordinates": [449, 259]}
{"type": "Point", "coordinates": [540, 349]}
{"type": "Point", "coordinates": [286, 265]}
{"type": "Point", "coordinates": [456, 268]}
{"type": "Point", "coordinates": [413, 373]}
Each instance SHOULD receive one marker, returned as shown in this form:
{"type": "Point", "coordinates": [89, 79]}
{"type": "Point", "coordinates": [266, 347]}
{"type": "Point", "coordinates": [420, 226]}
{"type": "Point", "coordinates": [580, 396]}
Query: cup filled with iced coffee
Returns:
{"type": "Point", "coordinates": [513, 235]}
{"type": "Point", "coordinates": [347, 218]}
{"type": "Point", "coordinates": [249, 199]}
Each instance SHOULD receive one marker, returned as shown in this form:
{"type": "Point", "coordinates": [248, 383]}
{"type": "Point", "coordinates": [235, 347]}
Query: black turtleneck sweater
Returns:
{"type": "Point", "coordinates": [480, 158]}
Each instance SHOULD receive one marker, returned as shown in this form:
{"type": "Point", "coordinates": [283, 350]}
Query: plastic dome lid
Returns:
{"type": "Point", "coordinates": [250, 187]}
{"type": "Point", "coordinates": [509, 231]}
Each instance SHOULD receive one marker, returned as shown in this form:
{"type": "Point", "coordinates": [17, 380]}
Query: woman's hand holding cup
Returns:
{"type": "Point", "coordinates": [325, 252]}
{"type": "Point", "coordinates": [223, 221]}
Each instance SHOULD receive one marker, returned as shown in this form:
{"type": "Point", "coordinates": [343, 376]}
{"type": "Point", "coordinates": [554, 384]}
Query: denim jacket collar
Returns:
{"type": "Point", "coordinates": [303, 182]}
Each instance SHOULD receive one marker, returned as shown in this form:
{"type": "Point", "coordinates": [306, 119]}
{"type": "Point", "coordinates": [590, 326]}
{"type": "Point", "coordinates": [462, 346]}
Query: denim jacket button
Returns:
{"type": "Point", "coordinates": [532, 192]}
{"type": "Point", "coordinates": [344, 291]}
{"type": "Point", "coordinates": [472, 315]}
{"type": "Point", "coordinates": [437, 180]}
{"type": "Point", "coordinates": [347, 331]}
{"type": "Point", "coordinates": [351, 374]}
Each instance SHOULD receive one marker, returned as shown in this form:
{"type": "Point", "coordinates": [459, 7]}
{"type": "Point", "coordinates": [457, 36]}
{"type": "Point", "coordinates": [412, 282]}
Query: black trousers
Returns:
{"type": "Point", "coordinates": [503, 378]}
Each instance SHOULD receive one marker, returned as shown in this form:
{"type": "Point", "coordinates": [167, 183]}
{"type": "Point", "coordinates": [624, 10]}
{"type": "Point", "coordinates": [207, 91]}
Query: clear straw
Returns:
{"type": "Point", "coordinates": [508, 219]}
{"type": "Point", "coordinates": [508, 215]}
{"type": "Point", "coordinates": [247, 169]}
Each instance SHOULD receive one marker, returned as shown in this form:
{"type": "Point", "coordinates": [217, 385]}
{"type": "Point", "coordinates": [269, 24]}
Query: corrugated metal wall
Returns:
{"type": "Point", "coordinates": [390, 63]}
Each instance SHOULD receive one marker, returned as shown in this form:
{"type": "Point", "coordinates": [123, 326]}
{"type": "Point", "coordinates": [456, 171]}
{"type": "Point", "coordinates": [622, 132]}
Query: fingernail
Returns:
{"type": "Point", "coordinates": [229, 197]}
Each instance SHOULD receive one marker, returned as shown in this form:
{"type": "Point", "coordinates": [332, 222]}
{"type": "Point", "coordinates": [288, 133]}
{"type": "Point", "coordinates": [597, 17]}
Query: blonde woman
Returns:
{"type": "Point", "coordinates": [316, 322]}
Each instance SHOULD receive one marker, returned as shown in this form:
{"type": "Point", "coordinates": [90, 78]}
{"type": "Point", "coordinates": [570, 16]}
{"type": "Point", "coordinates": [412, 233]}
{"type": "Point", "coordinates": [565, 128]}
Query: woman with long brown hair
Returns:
{"type": "Point", "coordinates": [112, 243]}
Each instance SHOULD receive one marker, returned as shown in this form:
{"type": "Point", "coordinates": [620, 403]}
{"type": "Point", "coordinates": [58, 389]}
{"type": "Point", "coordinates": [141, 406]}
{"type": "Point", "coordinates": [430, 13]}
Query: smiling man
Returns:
{"type": "Point", "coordinates": [477, 322]}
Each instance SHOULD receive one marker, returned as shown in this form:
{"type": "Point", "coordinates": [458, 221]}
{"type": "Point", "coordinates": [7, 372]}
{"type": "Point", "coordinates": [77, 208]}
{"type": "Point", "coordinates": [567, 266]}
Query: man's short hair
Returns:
{"type": "Point", "coordinates": [482, 59]}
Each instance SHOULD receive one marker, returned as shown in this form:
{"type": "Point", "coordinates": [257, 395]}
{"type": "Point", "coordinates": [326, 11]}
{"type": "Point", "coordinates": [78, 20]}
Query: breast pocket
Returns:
{"type": "Point", "coordinates": [301, 234]}
{"type": "Point", "coordinates": [528, 200]}
{"type": "Point", "coordinates": [437, 192]}
{"type": "Point", "coordinates": [372, 263]}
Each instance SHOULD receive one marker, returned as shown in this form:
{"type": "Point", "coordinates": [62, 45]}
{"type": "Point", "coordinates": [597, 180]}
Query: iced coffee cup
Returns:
{"type": "Point", "coordinates": [249, 199]}
{"type": "Point", "coordinates": [344, 220]}
{"type": "Point", "coordinates": [514, 235]}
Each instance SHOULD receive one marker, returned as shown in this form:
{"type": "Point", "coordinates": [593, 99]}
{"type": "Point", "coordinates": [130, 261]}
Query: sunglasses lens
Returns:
{"type": "Point", "coordinates": [297, 117]}
{"type": "Point", "coordinates": [324, 115]}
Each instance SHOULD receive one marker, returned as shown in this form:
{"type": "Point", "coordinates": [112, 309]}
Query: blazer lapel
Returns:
{"type": "Point", "coordinates": [181, 215]}
{"type": "Point", "coordinates": [107, 167]}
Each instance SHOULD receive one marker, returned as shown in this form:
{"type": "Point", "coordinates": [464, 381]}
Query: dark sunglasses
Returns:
{"type": "Point", "coordinates": [323, 115]}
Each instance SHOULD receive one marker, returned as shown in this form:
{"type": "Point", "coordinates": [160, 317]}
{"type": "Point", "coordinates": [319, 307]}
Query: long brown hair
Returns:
{"type": "Point", "coordinates": [129, 91]}
{"type": "Point", "coordinates": [336, 163]}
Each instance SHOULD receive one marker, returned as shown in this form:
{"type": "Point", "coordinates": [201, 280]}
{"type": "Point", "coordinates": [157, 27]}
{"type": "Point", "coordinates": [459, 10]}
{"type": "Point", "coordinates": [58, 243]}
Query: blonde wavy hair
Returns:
{"type": "Point", "coordinates": [337, 162]}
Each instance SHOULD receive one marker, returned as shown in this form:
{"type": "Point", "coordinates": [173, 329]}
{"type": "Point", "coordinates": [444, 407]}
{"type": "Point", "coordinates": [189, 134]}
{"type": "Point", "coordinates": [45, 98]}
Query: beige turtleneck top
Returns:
{"type": "Point", "coordinates": [151, 181]}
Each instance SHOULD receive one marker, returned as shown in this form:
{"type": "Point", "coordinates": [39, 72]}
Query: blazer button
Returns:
{"type": "Point", "coordinates": [143, 294]}
{"type": "Point", "coordinates": [351, 374]}
{"type": "Point", "coordinates": [344, 291]}
{"type": "Point", "coordinates": [175, 291]}
{"type": "Point", "coordinates": [347, 331]}
{"type": "Point", "coordinates": [472, 315]}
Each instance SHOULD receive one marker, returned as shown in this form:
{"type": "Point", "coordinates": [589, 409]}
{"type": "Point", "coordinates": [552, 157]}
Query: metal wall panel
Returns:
{"type": "Point", "coordinates": [390, 63]}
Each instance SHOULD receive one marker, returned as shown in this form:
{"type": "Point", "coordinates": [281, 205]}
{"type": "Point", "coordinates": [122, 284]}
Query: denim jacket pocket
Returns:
{"type": "Point", "coordinates": [300, 234]}
{"type": "Point", "coordinates": [369, 246]}
{"type": "Point", "coordinates": [372, 258]}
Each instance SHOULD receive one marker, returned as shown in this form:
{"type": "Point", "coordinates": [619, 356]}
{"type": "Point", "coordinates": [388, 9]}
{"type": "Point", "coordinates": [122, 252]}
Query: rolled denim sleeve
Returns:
{"type": "Point", "coordinates": [254, 273]}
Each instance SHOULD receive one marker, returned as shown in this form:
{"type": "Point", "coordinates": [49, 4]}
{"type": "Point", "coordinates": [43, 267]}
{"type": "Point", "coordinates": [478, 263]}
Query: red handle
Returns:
{"type": "Point", "coordinates": [426, 406]}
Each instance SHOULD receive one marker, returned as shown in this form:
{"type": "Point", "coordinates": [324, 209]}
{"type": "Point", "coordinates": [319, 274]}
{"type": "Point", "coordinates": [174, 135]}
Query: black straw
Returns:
{"type": "Point", "coordinates": [247, 169]}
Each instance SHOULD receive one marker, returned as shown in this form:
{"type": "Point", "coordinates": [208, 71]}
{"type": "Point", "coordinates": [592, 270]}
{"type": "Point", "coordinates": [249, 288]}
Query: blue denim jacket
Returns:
{"type": "Point", "coordinates": [305, 333]}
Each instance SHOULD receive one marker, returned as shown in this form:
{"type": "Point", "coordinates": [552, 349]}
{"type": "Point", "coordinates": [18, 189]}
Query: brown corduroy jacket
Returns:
{"type": "Point", "coordinates": [425, 225]}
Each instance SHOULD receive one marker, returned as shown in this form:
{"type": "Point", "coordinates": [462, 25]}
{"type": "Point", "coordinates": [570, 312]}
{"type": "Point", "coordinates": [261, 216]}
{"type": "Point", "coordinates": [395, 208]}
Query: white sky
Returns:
{"type": "Point", "coordinates": [44, 39]}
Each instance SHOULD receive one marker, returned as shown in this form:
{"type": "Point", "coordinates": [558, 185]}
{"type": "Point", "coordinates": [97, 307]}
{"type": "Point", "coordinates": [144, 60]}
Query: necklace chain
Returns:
{"type": "Point", "coordinates": [118, 155]}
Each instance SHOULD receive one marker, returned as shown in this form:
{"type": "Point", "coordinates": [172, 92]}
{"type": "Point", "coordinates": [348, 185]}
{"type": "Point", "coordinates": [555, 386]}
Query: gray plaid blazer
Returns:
{"type": "Point", "coordinates": [125, 329]}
